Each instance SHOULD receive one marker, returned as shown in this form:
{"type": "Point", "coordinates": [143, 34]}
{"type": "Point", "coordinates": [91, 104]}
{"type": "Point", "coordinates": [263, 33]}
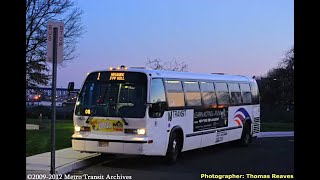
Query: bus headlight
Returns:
{"type": "Point", "coordinates": [81, 128]}
{"type": "Point", "coordinates": [77, 128]}
{"type": "Point", "coordinates": [141, 131]}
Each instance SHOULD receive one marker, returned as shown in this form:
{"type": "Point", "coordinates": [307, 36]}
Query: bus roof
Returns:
{"type": "Point", "coordinates": [187, 75]}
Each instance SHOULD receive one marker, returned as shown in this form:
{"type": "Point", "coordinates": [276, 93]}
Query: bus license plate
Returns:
{"type": "Point", "coordinates": [103, 143]}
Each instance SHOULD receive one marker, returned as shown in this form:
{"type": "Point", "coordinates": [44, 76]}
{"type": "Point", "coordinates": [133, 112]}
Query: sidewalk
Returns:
{"type": "Point", "coordinates": [68, 159]}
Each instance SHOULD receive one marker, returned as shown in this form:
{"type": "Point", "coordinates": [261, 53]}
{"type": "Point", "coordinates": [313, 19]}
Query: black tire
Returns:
{"type": "Point", "coordinates": [246, 136]}
{"type": "Point", "coordinates": [174, 148]}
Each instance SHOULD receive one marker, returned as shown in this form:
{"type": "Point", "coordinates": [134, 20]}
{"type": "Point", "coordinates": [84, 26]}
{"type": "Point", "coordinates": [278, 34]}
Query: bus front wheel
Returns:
{"type": "Point", "coordinates": [174, 148]}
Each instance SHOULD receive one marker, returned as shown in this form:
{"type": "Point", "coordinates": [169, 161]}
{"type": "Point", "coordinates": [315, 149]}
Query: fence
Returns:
{"type": "Point", "coordinates": [62, 113]}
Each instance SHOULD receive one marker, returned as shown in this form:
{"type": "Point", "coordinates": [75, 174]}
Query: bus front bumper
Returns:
{"type": "Point", "coordinates": [113, 144]}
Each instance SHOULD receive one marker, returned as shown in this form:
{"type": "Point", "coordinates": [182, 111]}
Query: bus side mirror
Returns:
{"type": "Point", "coordinates": [71, 86]}
{"type": "Point", "coordinates": [157, 109]}
{"type": "Point", "coordinates": [158, 106]}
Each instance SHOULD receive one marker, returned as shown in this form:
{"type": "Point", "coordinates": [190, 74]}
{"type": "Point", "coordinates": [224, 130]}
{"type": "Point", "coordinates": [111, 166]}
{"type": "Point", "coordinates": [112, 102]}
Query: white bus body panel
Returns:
{"type": "Point", "coordinates": [158, 129]}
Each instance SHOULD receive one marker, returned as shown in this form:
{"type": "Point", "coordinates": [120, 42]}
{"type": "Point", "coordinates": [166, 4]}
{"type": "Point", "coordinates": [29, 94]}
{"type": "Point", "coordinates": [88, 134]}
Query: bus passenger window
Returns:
{"type": "Point", "coordinates": [157, 91]}
{"type": "Point", "coordinates": [157, 98]}
{"type": "Point", "coordinates": [192, 93]}
{"type": "Point", "coordinates": [223, 96]}
{"type": "Point", "coordinates": [235, 93]}
{"type": "Point", "coordinates": [174, 93]}
{"type": "Point", "coordinates": [255, 93]}
{"type": "Point", "coordinates": [246, 93]}
{"type": "Point", "coordinates": [208, 94]}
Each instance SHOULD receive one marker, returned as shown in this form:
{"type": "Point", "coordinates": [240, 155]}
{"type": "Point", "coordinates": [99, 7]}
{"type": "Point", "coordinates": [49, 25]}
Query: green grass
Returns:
{"type": "Point", "coordinates": [277, 127]}
{"type": "Point", "coordinates": [39, 141]}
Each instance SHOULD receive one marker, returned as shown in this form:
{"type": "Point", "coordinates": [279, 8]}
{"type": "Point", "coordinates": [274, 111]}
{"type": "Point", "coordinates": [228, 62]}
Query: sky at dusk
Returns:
{"type": "Point", "coordinates": [234, 37]}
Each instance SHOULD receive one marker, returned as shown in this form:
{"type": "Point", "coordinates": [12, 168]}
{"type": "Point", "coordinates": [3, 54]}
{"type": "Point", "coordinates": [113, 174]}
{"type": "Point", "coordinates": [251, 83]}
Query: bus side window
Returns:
{"type": "Point", "coordinates": [235, 93]}
{"type": "Point", "coordinates": [192, 93]}
{"type": "Point", "coordinates": [157, 95]}
{"type": "Point", "coordinates": [157, 91]}
{"type": "Point", "coordinates": [223, 96]}
{"type": "Point", "coordinates": [246, 93]}
{"type": "Point", "coordinates": [208, 94]}
{"type": "Point", "coordinates": [255, 93]}
{"type": "Point", "coordinates": [175, 95]}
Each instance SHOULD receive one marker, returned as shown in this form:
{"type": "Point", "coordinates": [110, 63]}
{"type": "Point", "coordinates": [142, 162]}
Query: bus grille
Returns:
{"type": "Point", "coordinates": [256, 125]}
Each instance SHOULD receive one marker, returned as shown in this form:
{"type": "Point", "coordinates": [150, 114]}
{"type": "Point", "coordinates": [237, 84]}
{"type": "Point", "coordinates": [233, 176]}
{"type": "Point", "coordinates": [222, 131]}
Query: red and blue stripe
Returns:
{"type": "Point", "coordinates": [240, 116]}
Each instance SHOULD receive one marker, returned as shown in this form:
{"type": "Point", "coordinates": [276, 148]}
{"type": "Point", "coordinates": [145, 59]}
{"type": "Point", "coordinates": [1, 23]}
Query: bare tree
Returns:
{"type": "Point", "coordinates": [172, 65]}
{"type": "Point", "coordinates": [38, 13]}
{"type": "Point", "coordinates": [288, 61]}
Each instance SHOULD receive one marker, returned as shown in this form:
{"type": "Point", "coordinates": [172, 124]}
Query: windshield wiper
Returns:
{"type": "Point", "coordinates": [125, 122]}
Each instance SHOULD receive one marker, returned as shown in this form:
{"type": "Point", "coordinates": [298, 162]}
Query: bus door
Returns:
{"type": "Point", "coordinates": [157, 121]}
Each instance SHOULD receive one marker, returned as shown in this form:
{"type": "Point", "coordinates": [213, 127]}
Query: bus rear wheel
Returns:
{"type": "Point", "coordinates": [174, 148]}
{"type": "Point", "coordinates": [246, 136]}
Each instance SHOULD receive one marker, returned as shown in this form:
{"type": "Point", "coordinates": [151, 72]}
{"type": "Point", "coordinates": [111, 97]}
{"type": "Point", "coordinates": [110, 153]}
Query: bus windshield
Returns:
{"type": "Point", "coordinates": [113, 94]}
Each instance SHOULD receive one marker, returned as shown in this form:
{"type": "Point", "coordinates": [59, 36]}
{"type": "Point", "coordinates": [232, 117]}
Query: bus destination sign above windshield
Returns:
{"type": "Point", "coordinates": [116, 76]}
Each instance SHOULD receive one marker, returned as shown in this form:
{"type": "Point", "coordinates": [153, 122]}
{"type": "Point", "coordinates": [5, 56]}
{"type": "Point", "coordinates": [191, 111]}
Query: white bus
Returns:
{"type": "Point", "coordinates": [163, 113]}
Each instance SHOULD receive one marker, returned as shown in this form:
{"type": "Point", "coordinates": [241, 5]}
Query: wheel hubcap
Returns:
{"type": "Point", "coordinates": [174, 143]}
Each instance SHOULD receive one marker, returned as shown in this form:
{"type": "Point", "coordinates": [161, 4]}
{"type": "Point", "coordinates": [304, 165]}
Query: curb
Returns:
{"type": "Point", "coordinates": [64, 169]}
{"type": "Point", "coordinates": [276, 134]}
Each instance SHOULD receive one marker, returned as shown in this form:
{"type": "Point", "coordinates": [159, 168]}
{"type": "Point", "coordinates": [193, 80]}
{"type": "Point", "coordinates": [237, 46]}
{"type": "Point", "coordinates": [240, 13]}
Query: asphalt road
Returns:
{"type": "Point", "coordinates": [265, 156]}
